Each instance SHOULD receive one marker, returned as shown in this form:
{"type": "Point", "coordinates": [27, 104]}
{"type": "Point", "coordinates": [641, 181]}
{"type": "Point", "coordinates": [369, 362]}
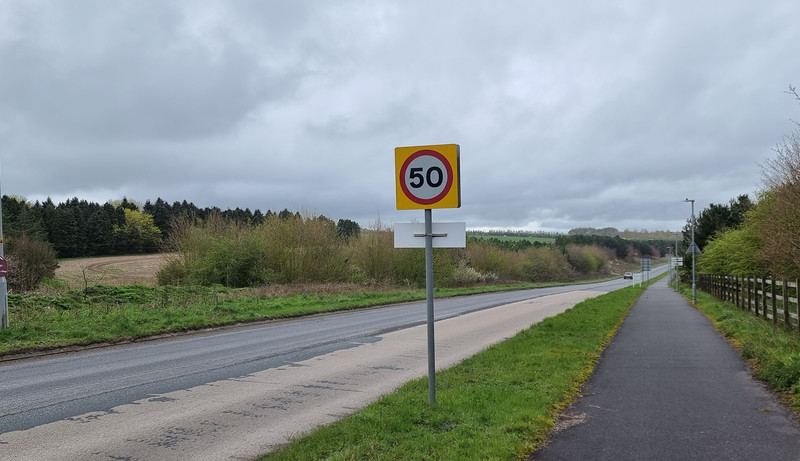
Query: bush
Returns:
{"type": "Point", "coordinates": [373, 253]}
{"type": "Point", "coordinates": [174, 272]}
{"type": "Point", "coordinates": [302, 249]}
{"type": "Point", "coordinates": [286, 248]}
{"type": "Point", "coordinates": [545, 265]}
{"type": "Point", "coordinates": [464, 275]}
{"type": "Point", "coordinates": [233, 261]}
{"type": "Point", "coordinates": [29, 261]}
{"type": "Point", "coordinates": [586, 259]}
{"type": "Point", "coordinates": [215, 251]}
{"type": "Point", "coordinates": [486, 257]}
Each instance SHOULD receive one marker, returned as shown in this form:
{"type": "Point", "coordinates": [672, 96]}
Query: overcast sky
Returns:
{"type": "Point", "coordinates": [568, 114]}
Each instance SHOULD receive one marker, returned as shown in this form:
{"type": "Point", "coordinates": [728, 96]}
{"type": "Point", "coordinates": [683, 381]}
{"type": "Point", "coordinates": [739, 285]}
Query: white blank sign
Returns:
{"type": "Point", "coordinates": [446, 235]}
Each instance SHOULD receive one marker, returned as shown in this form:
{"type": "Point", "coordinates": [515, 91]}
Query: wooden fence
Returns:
{"type": "Point", "coordinates": [771, 299]}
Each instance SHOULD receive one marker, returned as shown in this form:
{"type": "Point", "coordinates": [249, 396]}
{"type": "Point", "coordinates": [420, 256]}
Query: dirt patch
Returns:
{"type": "Point", "coordinates": [111, 270]}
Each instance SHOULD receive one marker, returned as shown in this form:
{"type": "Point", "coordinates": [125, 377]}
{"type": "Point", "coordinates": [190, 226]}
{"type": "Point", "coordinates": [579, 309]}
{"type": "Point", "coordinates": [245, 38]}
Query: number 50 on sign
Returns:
{"type": "Point", "coordinates": [428, 177]}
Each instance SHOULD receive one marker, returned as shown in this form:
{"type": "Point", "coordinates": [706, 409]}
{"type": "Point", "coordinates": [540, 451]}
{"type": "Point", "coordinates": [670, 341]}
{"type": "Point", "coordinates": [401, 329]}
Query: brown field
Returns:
{"type": "Point", "coordinates": [110, 270]}
{"type": "Point", "coordinates": [141, 270]}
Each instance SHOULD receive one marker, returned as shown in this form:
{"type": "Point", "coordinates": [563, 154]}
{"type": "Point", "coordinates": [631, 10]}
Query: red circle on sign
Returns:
{"type": "Point", "coordinates": [447, 186]}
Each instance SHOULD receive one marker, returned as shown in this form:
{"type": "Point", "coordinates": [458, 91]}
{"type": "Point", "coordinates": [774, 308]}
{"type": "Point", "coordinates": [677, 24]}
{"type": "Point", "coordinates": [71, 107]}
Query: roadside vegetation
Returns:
{"type": "Point", "coordinates": [756, 238]}
{"type": "Point", "coordinates": [499, 404]}
{"type": "Point", "coordinates": [240, 248]}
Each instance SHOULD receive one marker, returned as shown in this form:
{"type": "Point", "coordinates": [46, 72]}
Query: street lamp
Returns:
{"type": "Point", "coordinates": [693, 249]}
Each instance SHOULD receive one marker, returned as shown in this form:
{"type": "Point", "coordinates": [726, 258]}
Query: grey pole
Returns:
{"type": "Point", "coordinates": [677, 270]}
{"type": "Point", "coordinates": [3, 281]}
{"type": "Point", "coordinates": [669, 255]}
{"type": "Point", "coordinates": [694, 252]}
{"type": "Point", "coordinates": [429, 290]}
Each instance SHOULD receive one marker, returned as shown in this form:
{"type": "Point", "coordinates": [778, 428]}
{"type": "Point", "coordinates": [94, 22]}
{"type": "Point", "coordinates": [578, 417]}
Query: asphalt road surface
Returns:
{"type": "Point", "coordinates": [239, 393]}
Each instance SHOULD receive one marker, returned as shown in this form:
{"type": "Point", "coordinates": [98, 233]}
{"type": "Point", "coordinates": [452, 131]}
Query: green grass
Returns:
{"type": "Point", "coordinates": [773, 352]}
{"type": "Point", "coordinates": [499, 404]}
{"type": "Point", "coordinates": [115, 313]}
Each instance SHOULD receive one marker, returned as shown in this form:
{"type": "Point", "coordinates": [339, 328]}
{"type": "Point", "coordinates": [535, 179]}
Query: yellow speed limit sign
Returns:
{"type": "Point", "coordinates": [428, 177]}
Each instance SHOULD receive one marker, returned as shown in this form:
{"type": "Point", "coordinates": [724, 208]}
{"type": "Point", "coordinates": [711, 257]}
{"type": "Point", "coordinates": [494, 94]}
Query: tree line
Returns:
{"type": "Point", "coordinates": [79, 228]}
{"type": "Point", "coordinates": [242, 248]}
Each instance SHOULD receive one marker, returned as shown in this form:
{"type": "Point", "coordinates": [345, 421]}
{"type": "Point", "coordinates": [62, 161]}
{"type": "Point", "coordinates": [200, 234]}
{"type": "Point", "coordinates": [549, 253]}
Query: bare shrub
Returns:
{"type": "Point", "coordinates": [373, 253]}
{"type": "Point", "coordinates": [587, 259]}
{"type": "Point", "coordinates": [546, 264]}
{"type": "Point", "coordinates": [304, 248]}
{"type": "Point", "coordinates": [487, 258]}
{"type": "Point", "coordinates": [215, 251]}
{"type": "Point", "coordinates": [464, 275]}
{"type": "Point", "coordinates": [777, 218]}
{"type": "Point", "coordinates": [30, 261]}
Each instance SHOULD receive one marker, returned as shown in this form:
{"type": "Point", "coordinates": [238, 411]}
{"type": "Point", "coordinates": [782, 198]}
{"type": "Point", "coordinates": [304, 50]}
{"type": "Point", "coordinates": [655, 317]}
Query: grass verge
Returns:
{"type": "Point", "coordinates": [773, 352]}
{"type": "Point", "coordinates": [499, 404]}
{"type": "Point", "coordinates": [62, 318]}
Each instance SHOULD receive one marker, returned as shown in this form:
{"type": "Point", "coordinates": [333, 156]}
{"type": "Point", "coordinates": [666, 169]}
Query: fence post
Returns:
{"type": "Point", "coordinates": [764, 297]}
{"type": "Point", "coordinates": [797, 301]}
{"type": "Point", "coordinates": [749, 296]}
{"type": "Point", "coordinates": [787, 319]}
{"type": "Point", "coordinates": [728, 287]}
{"type": "Point", "coordinates": [774, 306]}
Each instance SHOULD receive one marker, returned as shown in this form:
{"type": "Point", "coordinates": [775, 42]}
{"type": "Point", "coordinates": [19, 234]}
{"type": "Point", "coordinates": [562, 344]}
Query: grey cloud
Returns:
{"type": "Point", "coordinates": [591, 115]}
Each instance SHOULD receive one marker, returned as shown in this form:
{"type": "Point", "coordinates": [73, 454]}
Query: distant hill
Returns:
{"type": "Point", "coordinates": [626, 234]}
{"type": "Point", "coordinates": [514, 233]}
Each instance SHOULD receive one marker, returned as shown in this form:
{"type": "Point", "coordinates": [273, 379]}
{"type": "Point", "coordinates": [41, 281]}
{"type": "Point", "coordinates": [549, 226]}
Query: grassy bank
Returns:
{"type": "Point", "coordinates": [773, 352]}
{"type": "Point", "coordinates": [116, 313]}
{"type": "Point", "coordinates": [499, 404]}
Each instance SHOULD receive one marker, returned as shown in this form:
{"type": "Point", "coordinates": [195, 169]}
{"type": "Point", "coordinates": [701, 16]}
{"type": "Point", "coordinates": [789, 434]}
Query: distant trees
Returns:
{"type": "Point", "coordinates": [625, 234]}
{"type": "Point", "coordinates": [715, 219]}
{"type": "Point", "coordinates": [620, 246]}
{"type": "Point", "coordinates": [77, 228]}
{"type": "Point", "coordinates": [348, 229]}
{"type": "Point", "coordinates": [137, 235]}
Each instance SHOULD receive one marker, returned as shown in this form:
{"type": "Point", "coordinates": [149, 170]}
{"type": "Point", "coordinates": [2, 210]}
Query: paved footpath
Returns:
{"type": "Point", "coordinates": [670, 387]}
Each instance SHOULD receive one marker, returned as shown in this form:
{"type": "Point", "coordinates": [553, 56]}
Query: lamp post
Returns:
{"type": "Point", "coordinates": [693, 249]}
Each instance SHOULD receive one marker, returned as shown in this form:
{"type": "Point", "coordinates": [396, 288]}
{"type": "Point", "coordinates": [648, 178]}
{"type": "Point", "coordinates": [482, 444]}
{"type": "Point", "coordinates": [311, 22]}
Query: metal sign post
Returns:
{"type": "Point", "coordinates": [645, 266]}
{"type": "Point", "coordinates": [429, 298]}
{"type": "Point", "coordinates": [428, 177]}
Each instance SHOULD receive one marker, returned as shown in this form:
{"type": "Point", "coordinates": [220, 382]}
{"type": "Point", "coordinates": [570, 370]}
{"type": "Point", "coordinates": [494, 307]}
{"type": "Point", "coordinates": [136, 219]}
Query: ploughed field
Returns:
{"type": "Point", "coordinates": [110, 270]}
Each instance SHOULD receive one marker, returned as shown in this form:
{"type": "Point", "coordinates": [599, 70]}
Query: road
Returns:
{"type": "Point", "coordinates": [92, 405]}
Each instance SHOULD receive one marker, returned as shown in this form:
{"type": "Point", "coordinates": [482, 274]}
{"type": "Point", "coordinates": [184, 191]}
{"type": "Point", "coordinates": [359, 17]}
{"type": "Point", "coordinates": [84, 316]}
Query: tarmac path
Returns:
{"type": "Point", "coordinates": [669, 386]}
